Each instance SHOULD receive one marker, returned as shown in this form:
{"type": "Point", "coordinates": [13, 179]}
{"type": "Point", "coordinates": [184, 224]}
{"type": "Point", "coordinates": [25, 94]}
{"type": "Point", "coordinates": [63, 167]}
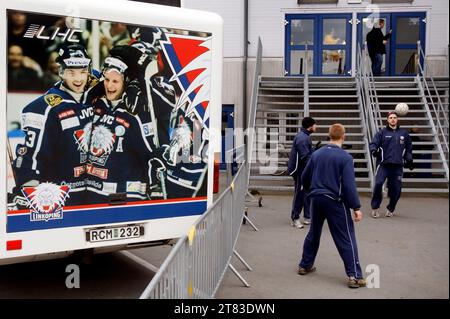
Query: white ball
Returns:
{"type": "Point", "coordinates": [402, 109]}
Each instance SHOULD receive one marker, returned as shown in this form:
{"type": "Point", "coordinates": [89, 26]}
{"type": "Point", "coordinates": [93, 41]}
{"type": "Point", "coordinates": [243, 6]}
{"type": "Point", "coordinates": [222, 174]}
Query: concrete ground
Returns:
{"type": "Point", "coordinates": [411, 250]}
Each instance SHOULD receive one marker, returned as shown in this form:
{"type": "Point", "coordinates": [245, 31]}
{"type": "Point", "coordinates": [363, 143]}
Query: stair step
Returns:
{"type": "Point", "coordinates": [280, 110]}
{"type": "Point", "coordinates": [425, 152]}
{"type": "Point", "coordinates": [425, 170]}
{"type": "Point", "coordinates": [280, 96]}
{"type": "Point", "coordinates": [332, 96]}
{"type": "Point", "coordinates": [318, 134]}
{"type": "Point", "coordinates": [327, 89]}
{"type": "Point", "coordinates": [281, 85]}
{"type": "Point", "coordinates": [419, 118]}
{"type": "Point", "coordinates": [289, 178]}
{"type": "Point", "coordinates": [398, 96]}
{"type": "Point", "coordinates": [316, 118]}
{"type": "Point", "coordinates": [360, 189]}
{"type": "Point", "coordinates": [424, 180]}
{"type": "Point", "coordinates": [280, 89]}
{"type": "Point", "coordinates": [396, 89]}
{"type": "Point", "coordinates": [423, 143]}
{"type": "Point", "coordinates": [427, 161]}
{"type": "Point", "coordinates": [395, 103]}
{"type": "Point", "coordinates": [333, 103]}
{"type": "Point", "coordinates": [283, 168]}
{"type": "Point", "coordinates": [425, 190]}
{"type": "Point", "coordinates": [346, 126]}
{"type": "Point", "coordinates": [357, 160]}
{"type": "Point", "coordinates": [279, 103]}
{"type": "Point", "coordinates": [334, 111]}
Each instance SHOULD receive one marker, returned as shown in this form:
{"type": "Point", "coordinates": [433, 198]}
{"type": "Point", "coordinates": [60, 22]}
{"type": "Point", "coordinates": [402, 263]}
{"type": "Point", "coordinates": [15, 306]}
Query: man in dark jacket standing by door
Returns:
{"type": "Point", "coordinates": [376, 44]}
{"type": "Point", "coordinates": [300, 153]}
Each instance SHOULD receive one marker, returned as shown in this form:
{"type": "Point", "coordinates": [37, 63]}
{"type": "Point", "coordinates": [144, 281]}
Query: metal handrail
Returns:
{"type": "Point", "coordinates": [422, 71]}
{"type": "Point", "coordinates": [371, 85]}
{"type": "Point", "coordinates": [365, 123]}
{"type": "Point", "coordinates": [439, 131]}
{"type": "Point", "coordinates": [368, 125]}
{"type": "Point", "coordinates": [371, 101]}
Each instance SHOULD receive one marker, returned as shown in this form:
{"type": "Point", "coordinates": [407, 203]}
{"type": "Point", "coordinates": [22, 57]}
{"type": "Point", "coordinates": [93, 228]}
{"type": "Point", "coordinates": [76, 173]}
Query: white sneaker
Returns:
{"type": "Point", "coordinates": [389, 213]}
{"type": "Point", "coordinates": [306, 221]}
{"type": "Point", "coordinates": [375, 213]}
{"type": "Point", "coordinates": [296, 223]}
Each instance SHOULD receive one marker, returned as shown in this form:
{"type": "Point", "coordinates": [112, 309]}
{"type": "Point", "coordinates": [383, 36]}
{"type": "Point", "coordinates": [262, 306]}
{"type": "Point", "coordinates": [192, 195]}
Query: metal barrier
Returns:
{"type": "Point", "coordinates": [197, 263]}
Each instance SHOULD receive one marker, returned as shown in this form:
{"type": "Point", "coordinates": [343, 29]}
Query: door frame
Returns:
{"type": "Point", "coordinates": [347, 47]}
{"type": "Point", "coordinates": [318, 45]}
{"type": "Point", "coordinates": [288, 47]}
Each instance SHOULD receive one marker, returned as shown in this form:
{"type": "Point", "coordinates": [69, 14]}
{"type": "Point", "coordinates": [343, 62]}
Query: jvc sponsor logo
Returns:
{"type": "Point", "coordinates": [39, 32]}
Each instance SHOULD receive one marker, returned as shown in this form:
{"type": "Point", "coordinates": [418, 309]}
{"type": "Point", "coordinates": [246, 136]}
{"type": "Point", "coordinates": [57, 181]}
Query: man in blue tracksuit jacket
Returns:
{"type": "Point", "coordinates": [392, 147]}
{"type": "Point", "coordinates": [329, 177]}
{"type": "Point", "coordinates": [298, 158]}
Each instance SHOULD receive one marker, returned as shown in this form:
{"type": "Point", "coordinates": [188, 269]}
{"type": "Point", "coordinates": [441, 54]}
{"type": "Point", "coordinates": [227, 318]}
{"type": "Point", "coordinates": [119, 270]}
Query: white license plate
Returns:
{"type": "Point", "coordinates": [114, 233]}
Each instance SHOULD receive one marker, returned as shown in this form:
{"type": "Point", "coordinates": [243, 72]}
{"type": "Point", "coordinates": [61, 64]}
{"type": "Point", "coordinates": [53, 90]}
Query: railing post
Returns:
{"type": "Point", "coordinates": [306, 85]}
{"type": "Point", "coordinates": [418, 58]}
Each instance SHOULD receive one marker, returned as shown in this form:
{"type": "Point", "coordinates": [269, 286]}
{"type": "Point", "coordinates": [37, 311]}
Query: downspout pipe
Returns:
{"type": "Point", "coordinates": [244, 67]}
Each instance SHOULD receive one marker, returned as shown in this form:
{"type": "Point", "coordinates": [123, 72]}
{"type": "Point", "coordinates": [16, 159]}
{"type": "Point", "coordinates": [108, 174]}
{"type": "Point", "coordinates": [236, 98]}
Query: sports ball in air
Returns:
{"type": "Point", "coordinates": [402, 109]}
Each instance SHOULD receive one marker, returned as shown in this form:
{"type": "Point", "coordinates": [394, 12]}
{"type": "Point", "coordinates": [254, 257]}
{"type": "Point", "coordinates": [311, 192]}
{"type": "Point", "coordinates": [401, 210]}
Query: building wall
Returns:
{"type": "Point", "coordinates": [266, 20]}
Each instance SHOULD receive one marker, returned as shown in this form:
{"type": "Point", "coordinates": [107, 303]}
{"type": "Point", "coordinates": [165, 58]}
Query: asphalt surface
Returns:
{"type": "Point", "coordinates": [411, 250]}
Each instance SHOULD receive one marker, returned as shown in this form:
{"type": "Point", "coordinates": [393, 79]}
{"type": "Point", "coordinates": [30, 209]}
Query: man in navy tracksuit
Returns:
{"type": "Point", "coordinates": [392, 147]}
{"type": "Point", "coordinates": [329, 177]}
{"type": "Point", "coordinates": [298, 158]}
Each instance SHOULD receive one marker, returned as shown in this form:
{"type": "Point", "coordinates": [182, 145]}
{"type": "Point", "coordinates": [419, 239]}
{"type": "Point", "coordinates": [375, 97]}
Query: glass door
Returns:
{"type": "Point", "coordinates": [408, 28]}
{"type": "Point", "coordinates": [300, 34]}
{"type": "Point", "coordinates": [335, 44]}
{"type": "Point", "coordinates": [366, 22]}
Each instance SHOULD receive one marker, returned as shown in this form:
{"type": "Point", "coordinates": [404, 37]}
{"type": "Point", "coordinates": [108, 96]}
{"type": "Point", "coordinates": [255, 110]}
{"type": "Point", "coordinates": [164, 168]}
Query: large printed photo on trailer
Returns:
{"type": "Point", "coordinates": [107, 122]}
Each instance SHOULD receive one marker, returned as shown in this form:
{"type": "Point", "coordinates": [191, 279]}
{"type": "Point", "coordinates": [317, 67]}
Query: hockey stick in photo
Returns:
{"type": "Point", "coordinates": [149, 72]}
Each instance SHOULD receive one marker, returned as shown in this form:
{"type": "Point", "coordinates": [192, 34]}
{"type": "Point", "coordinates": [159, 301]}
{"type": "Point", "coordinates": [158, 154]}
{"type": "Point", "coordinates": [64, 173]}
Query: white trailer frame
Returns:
{"type": "Point", "coordinates": [57, 242]}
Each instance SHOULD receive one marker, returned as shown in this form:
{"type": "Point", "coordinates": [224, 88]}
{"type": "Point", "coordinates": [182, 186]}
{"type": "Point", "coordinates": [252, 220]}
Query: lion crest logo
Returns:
{"type": "Point", "coordinates": [102, 141]}
{"type": "Point", "coordinates": [46, 201]}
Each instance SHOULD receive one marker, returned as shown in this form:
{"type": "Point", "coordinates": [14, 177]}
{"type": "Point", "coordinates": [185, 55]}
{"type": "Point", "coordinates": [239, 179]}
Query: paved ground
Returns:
{"type": "Point", "coordinates": [410, 249]}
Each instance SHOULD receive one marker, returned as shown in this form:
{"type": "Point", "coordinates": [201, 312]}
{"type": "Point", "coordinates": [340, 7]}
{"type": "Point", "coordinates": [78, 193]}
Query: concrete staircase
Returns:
{"type": "Point", "coordinates": [281, 109]}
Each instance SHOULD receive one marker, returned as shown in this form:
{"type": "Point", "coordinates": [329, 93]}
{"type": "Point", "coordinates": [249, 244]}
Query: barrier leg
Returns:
{"type": "Point", "coordinates": [238, 275]}
{"type": "Point", "coordinates": [254, 199]}
{"type": "Point", "coordinates": [242, 261]}
{"type": "Point", "coordinates": [250, 222]}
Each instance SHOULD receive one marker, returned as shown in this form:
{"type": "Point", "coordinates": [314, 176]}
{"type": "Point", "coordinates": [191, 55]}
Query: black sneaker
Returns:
{"type": "Point", "coordinates": [305, 271]}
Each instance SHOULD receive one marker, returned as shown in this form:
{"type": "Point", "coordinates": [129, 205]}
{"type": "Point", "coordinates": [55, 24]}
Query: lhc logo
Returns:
{"type": "Point", "coordinates": [46, 201]}
{"type": "Point", "coordinates": [38, 31]}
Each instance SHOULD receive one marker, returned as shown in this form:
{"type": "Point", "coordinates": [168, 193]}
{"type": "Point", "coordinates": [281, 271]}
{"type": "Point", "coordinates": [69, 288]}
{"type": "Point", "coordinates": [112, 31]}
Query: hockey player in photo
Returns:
{"type": "Point", "coordinates": [57, 127]}
{"type": "Point", "coordinates": [121, 146]}
{"type": "Point", "coordinates": [180, 138]}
